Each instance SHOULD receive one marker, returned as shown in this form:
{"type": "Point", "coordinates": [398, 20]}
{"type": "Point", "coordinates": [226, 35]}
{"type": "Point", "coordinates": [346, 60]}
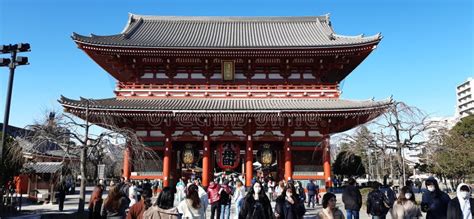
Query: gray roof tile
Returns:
{"type": "Point", "coordinates": [210, 104]}
{"type": "Point", "coordinates": [227, 32]}
{"type": "Point", "coordinates": [44, 167]}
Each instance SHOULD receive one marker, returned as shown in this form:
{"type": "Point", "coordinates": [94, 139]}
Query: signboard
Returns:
{"type": "Point", "coordinates": [101, 171]}
{"type": "Point", "coordinates": [228, 154]}
{"type": "Point", "coordinates": [228, 70]}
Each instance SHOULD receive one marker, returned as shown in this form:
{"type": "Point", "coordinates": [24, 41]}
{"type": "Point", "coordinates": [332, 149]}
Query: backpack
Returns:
{"type": "Point", "coordinates": [379, 203]}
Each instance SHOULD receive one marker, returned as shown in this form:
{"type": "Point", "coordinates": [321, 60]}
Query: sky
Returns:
{"type": "Point", "coordinates": [426, 50]}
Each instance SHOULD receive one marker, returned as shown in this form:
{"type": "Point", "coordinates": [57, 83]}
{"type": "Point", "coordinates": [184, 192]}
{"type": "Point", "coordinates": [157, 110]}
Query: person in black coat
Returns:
{"type": "Point", "coordinates": [352, 199]}
{"type": "Point", "coordinates": [61, 194]}
{"type": "Point", "coordinates": [256, 204]}
{"type": "Point", "coordinates": [288, 204]}
{"type": "Point", "coordinates": [462, 206]}
{"type": "Point", "coordinates": [434, 201]}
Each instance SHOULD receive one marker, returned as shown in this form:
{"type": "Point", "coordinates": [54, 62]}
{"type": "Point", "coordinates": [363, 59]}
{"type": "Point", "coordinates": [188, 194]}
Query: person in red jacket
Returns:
{"type": "Point", "coordinates": [136, 211]}
{"type": "Point", "coordinates": [214, 197]}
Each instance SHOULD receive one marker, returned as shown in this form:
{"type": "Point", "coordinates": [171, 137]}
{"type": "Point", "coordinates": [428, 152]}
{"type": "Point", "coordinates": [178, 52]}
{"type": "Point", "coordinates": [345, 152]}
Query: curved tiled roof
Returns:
{"type": "Point", "coordinates": [225, 105]}
{"type": "Point", "coordinates": [227, 32]}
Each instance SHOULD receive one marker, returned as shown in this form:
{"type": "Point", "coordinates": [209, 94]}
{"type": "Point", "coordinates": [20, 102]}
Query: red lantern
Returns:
{"type": "Point", "coordinates": [228, 155]}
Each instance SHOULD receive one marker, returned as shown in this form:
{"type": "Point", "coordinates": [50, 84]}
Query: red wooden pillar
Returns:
{"type": "Point", "coordinates": [249, 162]}
{"type": "Point", "coordinates": [206, 156]}
{"type": "Point", "coordinates": [327, 161]}
{"type": "Point", "coordinates": [166, 163]}
{"type": "Point", "coordinates": [126, 163]}
{"type": "Point", "coordinates": [288, 164]}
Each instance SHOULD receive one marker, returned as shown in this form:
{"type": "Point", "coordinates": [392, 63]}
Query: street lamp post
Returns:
{"type": "Point", "coordinates": [11, 63]}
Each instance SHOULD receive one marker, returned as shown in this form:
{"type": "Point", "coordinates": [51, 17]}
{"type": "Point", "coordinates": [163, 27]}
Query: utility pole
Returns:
{"type": "Point", "coordinates": [11, 63]}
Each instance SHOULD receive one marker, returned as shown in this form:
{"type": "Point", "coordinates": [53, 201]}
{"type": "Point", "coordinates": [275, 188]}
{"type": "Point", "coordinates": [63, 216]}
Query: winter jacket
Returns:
{"type": "Point", "coordinates": [312, 188]}
{"type": "Point", "coordinates": [225, 195]}
{"type": "Point", "coordinates": [256, 209]}
{"type": "Point", "coordinates": [213, 192]}
{"type": "Point", "coordinates": [352, 198]}
{"type": "Point", "coordinates": [407, 210]}
{"type": "Point", "coordinates": [136, 211]}
{"type": "Point", "coordinates": [119, 213]}
{"type": "Point", "coordinates": [377, 203]}
{"type": "Point", "coordinates": [286, 210]}
{"type": "Point", "coordinates": [455, 207]}
{"type": "Point", "coordinates": [155, 212]}
{"type": "Point", "coordinates": [435, 203]}
{"type": "Point", "coordinates": [189, 212]}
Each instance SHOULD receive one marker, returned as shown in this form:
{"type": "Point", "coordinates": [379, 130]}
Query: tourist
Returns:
{"type": "Point", "coordinates": [288, 204]}
{"type": "Point", "coordinates": [405, 206]}
{"type": "Point", "coordinates": [352, 199]}
{"type": "Point", "coordinates": [213, 194]}
{"type": "Point", "coordinates": [377, 202]}
{"type": "Point", "coordinates": [61, 194]}
{"type": "Point", "coordinates": [462, 206]}
{"type": "Point", "coordinates": [136, 211]}
{"type": "Point", "coordinates": [330, 211]}
{"type": "Point", "coordinates": [163, 207]}
{"type": "Point", "coordinates": [239, 195]}
{"type": "Point", "coordinates": [180, 188]}
{"type": "Point", "coordinates": [271, 188]}
{"type": "Point", "coordinates": [418, 184]}
{"type": "Point", "coordinates": [115, 204]}
{"type": "Point", "coordinates": [300, 191]}
{"type": "Point", "coordinates": [279, 189]}
{"type": "Point", "coordinates": [202, 195]}
{"type": "Point", "coordinates": [434, 202]}
{"type": "Point", "coordinates": [95, 203]}
{"type": "Point", "coordinates": [225, 199]}
{"type": "Point", "coordinates": [313, 192]}
{"type": "Point", "coordinates": [191, 207]}
{"type": "Point", "coordinates": [132, 194]}
{"type": "Point", "coordinates": [256, 204]}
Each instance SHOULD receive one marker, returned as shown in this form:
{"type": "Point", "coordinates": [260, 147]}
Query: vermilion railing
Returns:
{"type": "Point", "coordinates": [136, 86]}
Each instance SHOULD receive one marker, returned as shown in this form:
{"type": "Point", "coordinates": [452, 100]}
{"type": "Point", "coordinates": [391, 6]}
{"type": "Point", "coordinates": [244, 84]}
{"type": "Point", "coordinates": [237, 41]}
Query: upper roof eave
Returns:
{"type": "Point", "coordinates": [374, 42]}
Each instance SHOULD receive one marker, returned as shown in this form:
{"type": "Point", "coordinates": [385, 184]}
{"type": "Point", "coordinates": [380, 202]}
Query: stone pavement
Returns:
{"type": "Point", "coordinates": [36, 211]}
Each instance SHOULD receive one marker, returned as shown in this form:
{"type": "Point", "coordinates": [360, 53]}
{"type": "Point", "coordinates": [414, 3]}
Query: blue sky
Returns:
{"type": "Point", "coordinates": [426, 51]}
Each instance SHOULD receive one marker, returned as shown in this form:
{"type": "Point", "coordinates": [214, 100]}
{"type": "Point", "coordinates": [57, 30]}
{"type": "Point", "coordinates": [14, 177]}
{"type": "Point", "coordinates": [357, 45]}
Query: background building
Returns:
{"type": "Point", "coordinates": [465, 101]}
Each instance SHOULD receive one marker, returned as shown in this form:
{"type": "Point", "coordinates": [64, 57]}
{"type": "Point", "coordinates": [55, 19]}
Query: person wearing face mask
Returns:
{"type": "Point", "coordinates": [256, 204]}
{"type": "Point", "coordinates": [462, 206]}
{"type": "Point", "coordinates": [434, 202]}
{"type": "Point", "coordinates": [405, 207]}
{"type": "Point", "coordinates": [288, 205]}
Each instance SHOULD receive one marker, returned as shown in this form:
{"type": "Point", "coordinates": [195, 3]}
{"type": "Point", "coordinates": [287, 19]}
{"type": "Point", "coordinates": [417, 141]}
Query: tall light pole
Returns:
{"type": "Point", "coordinates": [11, 63]}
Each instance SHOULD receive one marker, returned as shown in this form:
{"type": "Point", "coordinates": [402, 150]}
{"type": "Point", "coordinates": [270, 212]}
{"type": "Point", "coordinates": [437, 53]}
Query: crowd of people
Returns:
{"type": "Point", "coordinates": [382, 200]}
{"type": "Point", "coordinates": [188, 199]}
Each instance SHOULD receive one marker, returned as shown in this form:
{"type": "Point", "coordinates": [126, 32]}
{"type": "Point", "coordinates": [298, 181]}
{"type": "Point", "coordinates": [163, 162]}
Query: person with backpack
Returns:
{"type": "Point", "coordinates": [256, 204]}
{"type": "Point", "coordinates": [214, 196]}
{"type": "Point", "coordinates": [377, 203]}
{"type": "Point", "coordinates": [225, 199]}
{"type": "Point", "coordinates": [434, 202]}
{"type": "Point", "coordinates": [352, 199]}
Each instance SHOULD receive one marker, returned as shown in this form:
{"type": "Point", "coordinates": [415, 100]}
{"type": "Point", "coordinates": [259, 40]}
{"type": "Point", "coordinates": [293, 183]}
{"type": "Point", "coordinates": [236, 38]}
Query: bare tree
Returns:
{"type": "Point", "coordinates": [76, 138]}
{"type": "Point", "coordinates": [402, 127]}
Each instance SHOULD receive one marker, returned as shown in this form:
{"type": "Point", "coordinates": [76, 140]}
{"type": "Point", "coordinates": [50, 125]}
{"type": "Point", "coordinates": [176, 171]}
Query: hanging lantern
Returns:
{"type": "Point", "coordinates": [266, 157]}
{"type": "Point", "coordinates": [189, 155]}
{"type": "Point", "coordinates": [228, 155]}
